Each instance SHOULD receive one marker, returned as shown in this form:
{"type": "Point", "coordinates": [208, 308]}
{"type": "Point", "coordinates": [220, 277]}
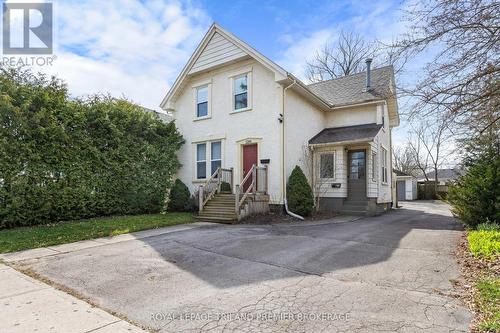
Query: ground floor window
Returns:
{"type": "Point", "coordinates": [201, 161]}
{"type": "Point", "coordinates": [384, 165]}
{"type": "Point", "coordinates": [211, 152]}
{"type": "Point", "coordinates": [374, 166]}
{"type": "Point", "coordinates": [327, 165]}
{"type": "Point", "coordinates": [215, 156]}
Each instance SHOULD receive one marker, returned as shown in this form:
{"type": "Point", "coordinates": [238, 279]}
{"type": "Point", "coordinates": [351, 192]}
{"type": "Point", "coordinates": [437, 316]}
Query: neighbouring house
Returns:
{"type": "Point", "coordinates": [406, 186]}
{"type": "Point", "coordinates": [444, 178]}
{"type": "Point", "coordinates": [248, 122]}
{"type": "Point", "coordinates": [163, 116]}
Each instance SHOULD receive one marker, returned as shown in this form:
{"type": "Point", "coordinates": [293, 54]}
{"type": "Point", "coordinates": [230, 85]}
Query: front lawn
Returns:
{"type": "Point", "coordinates": [482, 267]}
{"type": "Point", "coordinates": [66, 232]}
{"type": "Point", "coordinates": [488, 304]}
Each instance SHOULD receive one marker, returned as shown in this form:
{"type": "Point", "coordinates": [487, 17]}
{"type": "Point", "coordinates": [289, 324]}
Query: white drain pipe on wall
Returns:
{"type": "Point", "coordinates": [292, 214]}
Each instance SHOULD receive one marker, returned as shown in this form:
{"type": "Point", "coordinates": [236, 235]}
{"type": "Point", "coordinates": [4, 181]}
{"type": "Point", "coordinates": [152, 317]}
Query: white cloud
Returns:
{"type": "Point", "coordinates": [126, 48]}
{"type": "Point", "coordinates": [372, 20]}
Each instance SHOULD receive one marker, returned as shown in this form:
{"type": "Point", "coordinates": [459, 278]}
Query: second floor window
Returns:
{"type": "Point", "coordinates": [202, 101]}
{"type": "Point", "coordinates": [240, 90]}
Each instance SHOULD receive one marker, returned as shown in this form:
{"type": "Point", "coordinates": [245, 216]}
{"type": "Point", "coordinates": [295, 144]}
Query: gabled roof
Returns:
{"type": "Point", "coordinates": [242, 48]}
{"type": "Point", "coordinates": [346, 134]}
{"type": "Point", "coordinates": [327, 95]}
{"type": "Point", "coordinates": [351, 89]}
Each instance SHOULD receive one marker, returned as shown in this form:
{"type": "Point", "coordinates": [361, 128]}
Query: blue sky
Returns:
{"type": "Point", "coordinates": [136, 48]}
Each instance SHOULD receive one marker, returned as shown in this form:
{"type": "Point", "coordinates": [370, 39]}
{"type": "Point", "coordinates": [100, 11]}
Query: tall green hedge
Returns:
{"type": "Point", "coordinates": [63, 159]}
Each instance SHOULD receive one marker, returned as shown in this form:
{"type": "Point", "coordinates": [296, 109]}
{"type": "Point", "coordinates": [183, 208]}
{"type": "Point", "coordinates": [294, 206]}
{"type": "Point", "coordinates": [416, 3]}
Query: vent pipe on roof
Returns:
{"type": "Point", "coordinates": [368, 74]}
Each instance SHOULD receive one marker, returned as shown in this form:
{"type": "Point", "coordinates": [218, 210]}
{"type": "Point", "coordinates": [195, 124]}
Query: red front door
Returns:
{"type": "Point", "coordinates": [249, 159]}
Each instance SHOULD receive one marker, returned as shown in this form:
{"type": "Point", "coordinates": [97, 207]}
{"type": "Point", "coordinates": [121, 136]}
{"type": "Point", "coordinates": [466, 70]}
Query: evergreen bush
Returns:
{"type": "Point", "coordinates": [299, 194]}
{"type": "Point", "coordinates": [180, 198]}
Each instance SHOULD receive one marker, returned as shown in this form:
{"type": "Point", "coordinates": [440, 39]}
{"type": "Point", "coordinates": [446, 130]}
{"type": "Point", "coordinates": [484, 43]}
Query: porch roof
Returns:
{"type": "Point", "coordinates": [355, 133]}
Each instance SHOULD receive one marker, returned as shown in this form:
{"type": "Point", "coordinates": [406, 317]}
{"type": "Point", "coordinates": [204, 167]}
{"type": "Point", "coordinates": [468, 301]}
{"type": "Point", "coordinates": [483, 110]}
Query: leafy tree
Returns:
{"type": "Point", "coordinates": [475, 198]}
{"type": "Point", "coordinates": [180, 198]}
{"type": "Point", "coordinates": [299, 194]}
{"type": "Point", "coordinates": [63, 159]}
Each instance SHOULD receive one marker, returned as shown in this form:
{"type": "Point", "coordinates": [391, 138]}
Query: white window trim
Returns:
{"type": "Point", "coordinates": [211, 157]}
{"type": "Point", "coordinates": [196, 161]}
{"type": "Point", "coordinates": [208, 158]}
{"type": "Point", "coordinates": [208, 84]}
{"type": "Point", "coordinates": [234, 76]}
{"type": "Point", "coordinates": [374, 166]}
{"type": "Point", "coordinates": [384, 164]}
{"type": "Point", "coordinates": [334, 165]}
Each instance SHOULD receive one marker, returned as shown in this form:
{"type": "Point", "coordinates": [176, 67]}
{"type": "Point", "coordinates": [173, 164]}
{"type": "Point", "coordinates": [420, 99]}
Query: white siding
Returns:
{"type": "Point", "coordinates": [372, 183]}
{"type": "Point", "coordinates": [383, 139]}
{"type": "Point", "coordinates": [218, 51]}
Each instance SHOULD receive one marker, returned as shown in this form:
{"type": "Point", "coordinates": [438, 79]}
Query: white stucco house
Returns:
{"type": "Point", "coordinates": [243, 115]}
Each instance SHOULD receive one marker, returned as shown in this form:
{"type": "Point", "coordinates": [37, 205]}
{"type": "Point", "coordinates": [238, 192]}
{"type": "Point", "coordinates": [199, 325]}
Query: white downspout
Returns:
{"type": "Point", "coordinates": [283, 154]}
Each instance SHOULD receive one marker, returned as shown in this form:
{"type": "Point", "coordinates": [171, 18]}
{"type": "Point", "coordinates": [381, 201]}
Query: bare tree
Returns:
{"type": "Point", "coordinates": [343, 57]}
{"type": "Point", "coordinates": [319, 185]}
{"type": "Point", "coordinates": [404, 160]}
{"type": "Point", "coordinates": [428, 145]}
{"type": "Point", "coordinates": [461, 77]}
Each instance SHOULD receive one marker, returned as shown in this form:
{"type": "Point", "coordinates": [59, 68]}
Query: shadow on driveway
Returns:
{"type": "Point", "coordinates": [223, 255]}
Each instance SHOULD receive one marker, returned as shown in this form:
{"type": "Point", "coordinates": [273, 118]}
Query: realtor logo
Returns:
{"type": "Point", "coordinates": [27, 28]}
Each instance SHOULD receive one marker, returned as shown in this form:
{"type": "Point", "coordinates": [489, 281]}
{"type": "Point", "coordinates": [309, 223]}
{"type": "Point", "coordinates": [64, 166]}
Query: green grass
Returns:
{"type": "Point", "coordinates": [488, 303]}
{"type": "Point", "coordinates": [485, 243]}
{"type": "Point", "coordinates": [67, 232]}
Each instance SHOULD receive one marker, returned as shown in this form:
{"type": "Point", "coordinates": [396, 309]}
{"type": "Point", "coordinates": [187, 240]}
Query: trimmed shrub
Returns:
{"type": "Point", "coordinates": [64, 159]}
{"type": "Point", "coordinates": [299, 194]}
{"type": "Point", "coordinates": [180, 198]}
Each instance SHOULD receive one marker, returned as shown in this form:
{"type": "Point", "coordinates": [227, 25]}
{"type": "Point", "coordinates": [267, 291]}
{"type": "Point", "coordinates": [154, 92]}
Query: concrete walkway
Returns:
{"type": "Point", "coordinates": [28, 305]}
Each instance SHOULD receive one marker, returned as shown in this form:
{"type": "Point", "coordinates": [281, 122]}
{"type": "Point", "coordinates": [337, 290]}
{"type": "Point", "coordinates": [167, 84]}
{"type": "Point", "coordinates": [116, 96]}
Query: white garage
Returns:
{"type": "Point", "coordinates": [406, 186]}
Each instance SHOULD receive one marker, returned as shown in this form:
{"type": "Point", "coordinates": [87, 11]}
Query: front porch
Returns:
{"type": "Point", "coordinates": [346, 176]}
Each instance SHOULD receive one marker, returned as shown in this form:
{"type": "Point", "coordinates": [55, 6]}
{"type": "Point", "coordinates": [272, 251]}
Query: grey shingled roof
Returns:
{"type": "Point", "coordinates": [351, 89]}
{"type": "Point", "coordinates": [444, 174]}
{"type": "Point", "coordinates": [400, 173]}
{"type": "Point", "coordinates": [347, 133]}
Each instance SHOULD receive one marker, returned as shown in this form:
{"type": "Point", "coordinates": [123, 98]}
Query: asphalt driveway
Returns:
{"type": "Point", "coordinates": [387, 273]}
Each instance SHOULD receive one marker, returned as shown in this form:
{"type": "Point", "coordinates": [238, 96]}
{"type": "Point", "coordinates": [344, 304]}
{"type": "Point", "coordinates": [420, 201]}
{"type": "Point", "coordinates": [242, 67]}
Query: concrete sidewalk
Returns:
{"type": "Point", "coordinates": [28, 305]}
